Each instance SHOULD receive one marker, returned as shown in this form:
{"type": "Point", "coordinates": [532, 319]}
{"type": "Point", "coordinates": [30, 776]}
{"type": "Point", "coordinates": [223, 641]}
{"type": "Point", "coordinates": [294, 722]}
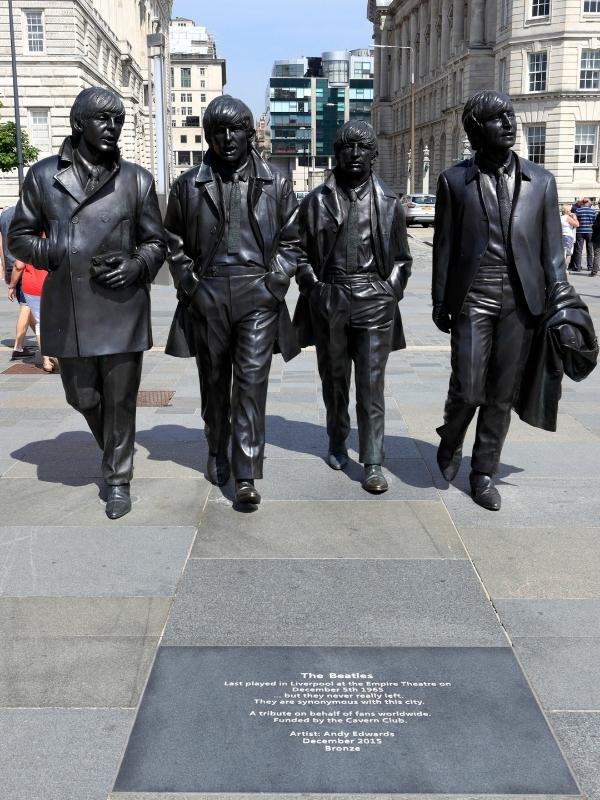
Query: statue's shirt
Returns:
{"type": "Point", "coordinates": [495, 253]}
{"type": "Point", "coordinates": [92, 176]}
{"type": "Point", "coordinates": [366, 260]}
{"type": "Point", "coordinates": [248, 253]}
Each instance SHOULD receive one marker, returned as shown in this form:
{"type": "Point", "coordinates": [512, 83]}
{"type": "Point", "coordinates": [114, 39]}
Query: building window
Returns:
{"type": "Point", "coordinates": [198, 139]}
{"type": "Point", "coordinates": [186, 77]}
{"type": "Point", "coordinates": [585, 143]}
{"type": "Point", "coordinates": [196, 157]}
{"type": "Point", "coordinates": [183, 138]}
{"type": "Point", "coordinates": [202, 98]}
{"type": "Point", "coordinates": [202, 84]}
{"type": "Point", "coordinates": [502, 75]}
{"type": "Point", "coordinates": [35, 31]}
{"type": "Point", "coordinates": [183, 157]}
{"type": "Point", "coordinates": [589, 76]}
{"type": "Point", "coordinates": [538, 69]}
{"type": "Point", "coordinates": [540, 8]}
{"type": "Point", "coordinates": [202, 71]}
{"type": "Point", "coordinates": [591, 6]}
{"type": "Point", "coordinates": [174, 123]}
{"type": "Point", "coordinates": [536, 143]}
{"type": "Point", "coordinates": [39, 129]}
{"type": "Point", "coordinates": [504, 13]}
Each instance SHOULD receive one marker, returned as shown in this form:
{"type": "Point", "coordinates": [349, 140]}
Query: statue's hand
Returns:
{"type": "Point", "coordinates": [441, 318]}
{"type": "Point", "coordinates": [119, 272]}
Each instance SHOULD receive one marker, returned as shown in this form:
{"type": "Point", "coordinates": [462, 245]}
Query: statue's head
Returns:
{"type": "Point", "coordinates": [97, 118]}
{"type": "Point", "coordinates": [489, 120]}
{"type": "Point", "coordinates": [229, 129]}
{"type": "Point", "coordinates": [355, 150]}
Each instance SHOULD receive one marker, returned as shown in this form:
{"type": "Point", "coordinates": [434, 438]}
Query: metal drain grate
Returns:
{"type": "Point", "coordinates": [23, 368]}
{"type": "Point", "coordinates": [157, 398]}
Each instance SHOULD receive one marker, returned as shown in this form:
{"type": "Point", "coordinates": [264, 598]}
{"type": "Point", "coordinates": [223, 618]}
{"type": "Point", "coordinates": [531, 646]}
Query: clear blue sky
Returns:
{"type": "Point", "coordinates": [252, 34]}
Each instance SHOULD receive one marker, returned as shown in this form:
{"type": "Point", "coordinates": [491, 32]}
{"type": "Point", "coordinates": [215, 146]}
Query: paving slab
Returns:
{"type": "Point", "coordinates": [332, 603]}
{"type": "Point", "coordinates": [467, 721]}
{"type": "Point", "coordinates": [58, 754]}
{"type": "Point", "coordinates": [579, 735]}
{"type": "Point", "coordinates": [156, 501]}
{"type": "Point", "coordinates": [329, 796]}
{"type": "Point", "coordinates": [74, 672]}
{"type": "Point", "coordinates": [550, 618]}
{"type": "Point", "coordinates": [537, 562]}
{"type": "Point", "coordinates": [409, 529]}
{"type": "Point", "coordinates": [92, 561]}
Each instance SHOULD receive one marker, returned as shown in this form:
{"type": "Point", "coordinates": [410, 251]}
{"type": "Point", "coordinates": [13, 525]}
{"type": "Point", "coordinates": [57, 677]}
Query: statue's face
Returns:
{"type": "Point", "coordinates": [499, 129]}
{"type": "Point", "coordinates": [230, 144]}
{"type": "Point", "coordinates": [355, 160]}
{"type": "Point", "coordinates": [101, 132]}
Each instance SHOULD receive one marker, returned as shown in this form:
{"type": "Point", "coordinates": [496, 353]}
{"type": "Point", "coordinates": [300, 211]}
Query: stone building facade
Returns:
{"type": "Point", "coordinates": [64, 46]}
{"type": "Point", "coordinates": [544, 53]}
{"type": "Point", "coordinates": [197, 76]}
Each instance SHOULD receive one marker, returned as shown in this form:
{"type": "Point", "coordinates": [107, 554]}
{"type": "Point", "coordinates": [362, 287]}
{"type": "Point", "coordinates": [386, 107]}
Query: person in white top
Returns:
{"type": "Point", "coordinates": [568, 223]}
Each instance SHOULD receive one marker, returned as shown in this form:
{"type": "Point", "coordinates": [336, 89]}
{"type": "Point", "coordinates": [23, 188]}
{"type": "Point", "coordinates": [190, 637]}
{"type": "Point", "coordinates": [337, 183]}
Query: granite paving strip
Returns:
{"type": "Point", "coordinates": [331, 529]}
{"type": "Point", "coordinates": [336, 796]}
{"type": "Point", "coordinates": [293, 602]}
{"type": "Point", "coordinates": [579, 735]}
{"type": "Point", "coordinates": [61, 754]}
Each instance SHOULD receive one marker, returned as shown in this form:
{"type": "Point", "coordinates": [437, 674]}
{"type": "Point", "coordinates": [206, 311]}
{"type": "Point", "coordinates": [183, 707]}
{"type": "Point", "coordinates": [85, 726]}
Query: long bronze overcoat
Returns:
{"type": "Point", "coordinates": [79, 316]}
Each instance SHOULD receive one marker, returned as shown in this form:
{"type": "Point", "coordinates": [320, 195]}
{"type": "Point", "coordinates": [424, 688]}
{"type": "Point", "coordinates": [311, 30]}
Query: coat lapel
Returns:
{"type": "Point", "coordinates": [331, 202]}
{"type": "Point", "coordinates": [384, 203]}
{"type": "Point", "coordinates": [68, 179]}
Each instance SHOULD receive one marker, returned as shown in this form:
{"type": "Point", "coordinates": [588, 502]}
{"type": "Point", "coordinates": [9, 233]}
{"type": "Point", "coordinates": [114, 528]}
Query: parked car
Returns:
{"type": "Point", "coordinates": [419, 208]}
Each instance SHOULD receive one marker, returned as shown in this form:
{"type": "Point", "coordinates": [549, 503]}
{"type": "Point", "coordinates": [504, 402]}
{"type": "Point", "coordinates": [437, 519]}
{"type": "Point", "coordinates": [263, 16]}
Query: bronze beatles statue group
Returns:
{"type": "Point", "coordinates": [235, 237]}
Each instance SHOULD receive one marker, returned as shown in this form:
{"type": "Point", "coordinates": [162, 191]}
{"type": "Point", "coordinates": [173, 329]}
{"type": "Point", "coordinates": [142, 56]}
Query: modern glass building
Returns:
{"type": "Point", "coordinates": [308, 100]}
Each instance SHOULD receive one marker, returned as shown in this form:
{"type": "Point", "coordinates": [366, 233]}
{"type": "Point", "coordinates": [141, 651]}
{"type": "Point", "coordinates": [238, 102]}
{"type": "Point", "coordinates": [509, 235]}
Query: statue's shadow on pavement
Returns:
{"type": "Point", "coordinates": [73, 458]}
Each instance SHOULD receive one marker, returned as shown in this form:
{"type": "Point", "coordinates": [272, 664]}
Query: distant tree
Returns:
{"type": "Point", "coordinates": [8, 147]}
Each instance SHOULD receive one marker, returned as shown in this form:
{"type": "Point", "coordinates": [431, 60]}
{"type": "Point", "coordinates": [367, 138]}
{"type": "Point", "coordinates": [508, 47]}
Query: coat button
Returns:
{"type": "Point", "coordinates": [75, 220]}
{"type": "Point", "coordinates": [105, 217]}
{"type": "Point", "coordinates": [213, 229]}
{"type": "Point", "coordinates": [74, 250]}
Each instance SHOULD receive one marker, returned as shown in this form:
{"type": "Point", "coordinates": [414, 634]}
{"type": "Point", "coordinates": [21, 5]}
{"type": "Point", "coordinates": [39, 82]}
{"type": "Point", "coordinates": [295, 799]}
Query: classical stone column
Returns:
{"type": "Point", "coordinates": [423, 39]}
{"type": "Point", "coordinates": [397, 59]}
{"type": "Point", "coordinates": [446, 31]}
{"type": "Point", "coordinates": [405, 53]}
{"type": "Point", "coordinates": [476, 22]}
{"type": "Point", "coordinates": [377, 65]}
{"type": "Point", "coordinates": [384, 70]}
{"type": "Point", "coordinates": [458, 23]}
{"type": "Point", "coordinates": [433, 33]}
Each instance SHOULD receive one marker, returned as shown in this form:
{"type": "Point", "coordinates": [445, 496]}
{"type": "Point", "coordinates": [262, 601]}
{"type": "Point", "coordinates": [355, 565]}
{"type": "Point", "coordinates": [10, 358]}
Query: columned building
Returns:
{"type": "Point", "coordinates": [197, 76]}
{"type": "Point", "coordinates": [544, 53]}
{"type": "Point", "coordinates": [64, 46]}
{"type": "Point", "coordinates": [308, 100]}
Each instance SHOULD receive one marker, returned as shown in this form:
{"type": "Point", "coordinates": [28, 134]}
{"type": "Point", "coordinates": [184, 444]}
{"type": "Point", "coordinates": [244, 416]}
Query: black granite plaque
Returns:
{"type": "Point", "coordinates": [341, 720]}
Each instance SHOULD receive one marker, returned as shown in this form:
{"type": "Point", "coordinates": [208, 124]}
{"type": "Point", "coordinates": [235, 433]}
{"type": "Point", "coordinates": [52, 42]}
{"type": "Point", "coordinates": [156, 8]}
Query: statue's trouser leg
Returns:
{"type": "Point", "coordinates": [353, 321]}
{"type": "Point", "coordinates": [104, 389]}
{"type": "Point", "coordinates": [490, 341]}
{"type": "Point", "coordinates": [236, 336]}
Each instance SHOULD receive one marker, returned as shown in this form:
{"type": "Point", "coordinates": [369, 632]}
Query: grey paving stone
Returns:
{"type": "Point", "coordinates": [74, 672]}
{"type": "Point", "coordinates": [57, 754]}
{"type": "Point", "coordinates": [409, 529]}
{"type": "Point", "coordinates": [329, 796]}
{"type": "Point", "coordinates": [527, 502]}
{"type": "Point", "coordinates": [536, 562]}
{"type": "Point", "coordinates": [89, 561]}
{"type": "Point", "coordinates": [579, 735]}
{"type": "Point", "coordinates": [552, 618]}
{"type": "Point", "coordinates": [311, 479]}
{"type": "Point", "coordinates": [156, 501]}
{"type": "Point", "coordinates": [32, 617]}
{"type": "Point", "coordinates": [563, 671]}
{"type": "Point", "coordinates": [332, 603]}
{"type": "Point", "coordinates": [477, 727]}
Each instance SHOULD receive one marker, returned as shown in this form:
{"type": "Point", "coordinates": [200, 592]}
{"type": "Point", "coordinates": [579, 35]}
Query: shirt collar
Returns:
{"type": "Point", "coordinates": [361, 191]}
{"type": "Point", "coordinates": [242, 172]}
{"type": "Point", "coordinates": [490, 167]}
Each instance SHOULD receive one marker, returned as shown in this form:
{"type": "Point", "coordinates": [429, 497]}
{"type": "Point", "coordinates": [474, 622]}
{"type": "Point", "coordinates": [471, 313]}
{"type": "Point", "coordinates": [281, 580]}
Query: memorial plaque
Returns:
{"type": "Point", "coordinates": [341, 720]}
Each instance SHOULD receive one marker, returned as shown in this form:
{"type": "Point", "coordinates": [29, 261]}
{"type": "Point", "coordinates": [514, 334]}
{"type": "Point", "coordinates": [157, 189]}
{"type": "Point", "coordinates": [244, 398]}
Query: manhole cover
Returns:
{"type": "Point", "coordinates": [156, 398]}
{"type": "Point", "coordinates": [23, 368]}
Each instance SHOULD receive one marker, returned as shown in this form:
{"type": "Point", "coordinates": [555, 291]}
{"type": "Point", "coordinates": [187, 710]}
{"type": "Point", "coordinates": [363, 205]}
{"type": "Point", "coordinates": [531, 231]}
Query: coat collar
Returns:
{"type": "Point", "coordinates": [262, 171]}
{"type": "Point", "coordinates": [522, 169]}
{"type": "Point", "coordinates": [67, 175]}
{"type": "Point", "coordinates": [381, 194]}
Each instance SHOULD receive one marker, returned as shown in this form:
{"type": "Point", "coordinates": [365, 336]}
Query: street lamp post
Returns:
{"type": "Point", "coordinates": [15, 94]}
{"type": "Point", "coordinates": [411, 50]}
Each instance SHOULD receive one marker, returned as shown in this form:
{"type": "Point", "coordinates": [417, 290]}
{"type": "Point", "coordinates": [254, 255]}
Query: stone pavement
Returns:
{"type": "Point", "coordinates": [85, 604]}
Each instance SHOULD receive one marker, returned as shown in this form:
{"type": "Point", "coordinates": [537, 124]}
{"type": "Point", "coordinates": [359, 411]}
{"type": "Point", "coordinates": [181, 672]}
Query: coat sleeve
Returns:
{"type": "Point", "coordinates": [553, 258]}
{"type": "Point", "coordinates": [285, 259]}
{"type": "Point", "coordinates": [402, 257]}
{"type": "Point", "coordinates": [442, 241]}
{"type": "Point", "coordinates": [151, 246]}
{"type": "Point", "coordinates": [24, 239]}
{"type": "Point", "coordinates": [180, 264]}
{"type": "Point", "coordinates": [305, 276]}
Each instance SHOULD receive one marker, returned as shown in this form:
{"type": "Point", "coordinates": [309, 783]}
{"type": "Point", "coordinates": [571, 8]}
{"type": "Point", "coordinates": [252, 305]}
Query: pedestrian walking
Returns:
{"type": "Point", "coordinates": [569, 223]}
{"type": "Point", "coordinates": [32, 282]}
{"type": "Point", "coordinates": [24, 318]}
{"type": "Point", "coordinates": [596, 245]}
{"type": "Point", "coordinates": [583, 236]}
